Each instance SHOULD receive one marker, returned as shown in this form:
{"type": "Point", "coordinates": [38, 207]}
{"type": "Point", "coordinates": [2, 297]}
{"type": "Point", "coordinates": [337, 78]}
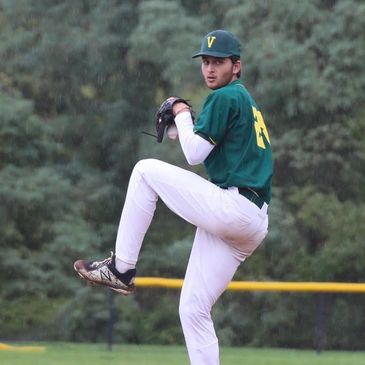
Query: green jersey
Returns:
{"type": "Point", "coordinates": [242, 157]}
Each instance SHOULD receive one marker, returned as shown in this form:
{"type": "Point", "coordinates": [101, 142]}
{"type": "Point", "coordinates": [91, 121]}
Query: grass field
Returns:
{"type": "Point", "coordinates": [86, 354]}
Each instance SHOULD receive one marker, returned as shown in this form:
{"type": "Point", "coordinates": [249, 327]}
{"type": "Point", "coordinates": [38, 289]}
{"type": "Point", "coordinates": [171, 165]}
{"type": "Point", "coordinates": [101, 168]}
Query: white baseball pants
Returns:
{"type": "Point", "coordinates": [229, 229]}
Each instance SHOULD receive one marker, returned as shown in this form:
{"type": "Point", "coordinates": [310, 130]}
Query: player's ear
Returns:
{"type": "Point", "coordinates": [237, 67]}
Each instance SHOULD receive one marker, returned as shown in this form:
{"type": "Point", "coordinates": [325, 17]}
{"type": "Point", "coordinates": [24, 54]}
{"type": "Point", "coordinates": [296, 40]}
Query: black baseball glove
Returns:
{"type": "Point", "coordinates": [165, 116]}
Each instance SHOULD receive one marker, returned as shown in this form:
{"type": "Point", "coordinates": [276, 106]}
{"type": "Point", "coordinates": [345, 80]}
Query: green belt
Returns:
{"type": "Point", "coordinates": [252, 196]}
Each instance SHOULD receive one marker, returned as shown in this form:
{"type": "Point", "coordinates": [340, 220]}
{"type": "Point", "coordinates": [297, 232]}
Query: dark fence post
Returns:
{"type": "Point", "coordinates": [320, 323]}
{"type": "Point", "coordinates": [112, 319]}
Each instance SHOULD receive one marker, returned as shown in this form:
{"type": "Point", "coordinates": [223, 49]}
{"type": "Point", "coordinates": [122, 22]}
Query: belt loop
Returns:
{"type": "Point", "coordinates": [265, 208]}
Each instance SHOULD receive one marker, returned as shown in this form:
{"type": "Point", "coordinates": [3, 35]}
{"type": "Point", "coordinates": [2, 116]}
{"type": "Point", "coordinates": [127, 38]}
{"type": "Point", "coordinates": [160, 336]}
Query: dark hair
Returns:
{"type": "Point", "coordinates": [234, 59]}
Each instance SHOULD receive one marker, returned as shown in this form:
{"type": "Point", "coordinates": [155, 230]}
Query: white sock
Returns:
{"type": "Point", "coordinates": [123, 266]}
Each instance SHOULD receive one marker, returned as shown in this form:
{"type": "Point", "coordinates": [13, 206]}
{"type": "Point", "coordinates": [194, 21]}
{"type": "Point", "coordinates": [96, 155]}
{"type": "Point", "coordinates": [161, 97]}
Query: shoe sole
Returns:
{"type": "Point", "coordinates": [102, 283]}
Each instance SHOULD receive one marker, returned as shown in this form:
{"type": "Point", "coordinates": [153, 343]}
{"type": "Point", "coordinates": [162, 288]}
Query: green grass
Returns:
{"type": "Point", "coordinates": [86, 354]}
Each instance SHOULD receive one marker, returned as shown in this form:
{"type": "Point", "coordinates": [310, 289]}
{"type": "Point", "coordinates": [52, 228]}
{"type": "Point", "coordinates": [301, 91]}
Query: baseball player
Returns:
{"type": "Point", "coordinates": [229, 210]}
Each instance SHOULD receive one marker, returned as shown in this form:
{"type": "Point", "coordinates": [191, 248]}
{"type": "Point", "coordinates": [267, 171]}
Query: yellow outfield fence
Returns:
{"type": "Point", "coordinates": [170, 283]}
{"type": "Point", "coordinates": [321, 287]}
{"type": "Point", "coordinates": [7, 347]}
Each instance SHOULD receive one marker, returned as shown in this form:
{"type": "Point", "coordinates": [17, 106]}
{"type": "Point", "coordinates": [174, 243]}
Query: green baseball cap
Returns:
{"type": "Point", "coordinates": [220, 43]}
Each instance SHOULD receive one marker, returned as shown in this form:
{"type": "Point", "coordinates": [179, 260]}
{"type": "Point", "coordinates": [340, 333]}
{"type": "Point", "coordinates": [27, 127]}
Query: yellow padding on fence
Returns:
{"type": "Point", "coordinates": [263, 285]}
{"type": "Point", "coordinates": [4, 346]}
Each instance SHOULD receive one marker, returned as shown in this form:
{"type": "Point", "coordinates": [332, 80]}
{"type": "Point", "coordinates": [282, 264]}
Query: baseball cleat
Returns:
{"type": "Point", "coordinates": [105, 273]}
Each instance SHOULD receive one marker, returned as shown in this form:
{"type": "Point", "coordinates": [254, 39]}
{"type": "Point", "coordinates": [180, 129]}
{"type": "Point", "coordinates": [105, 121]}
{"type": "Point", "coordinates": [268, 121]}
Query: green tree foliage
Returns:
{"type": "Point", "coordinates": [78, 83]}
{"type": "Point", "coordinates": [170, 38]}
{"type": "Point", "coordinates": [41, 217]}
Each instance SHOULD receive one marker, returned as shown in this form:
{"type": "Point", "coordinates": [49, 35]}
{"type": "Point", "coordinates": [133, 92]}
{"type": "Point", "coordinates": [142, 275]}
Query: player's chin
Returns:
{"type": "Point", "coordinates": [212, 84]}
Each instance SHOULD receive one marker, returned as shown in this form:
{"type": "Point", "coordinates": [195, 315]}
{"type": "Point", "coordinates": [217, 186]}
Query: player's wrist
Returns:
{"type": "Point", "coordinates": [180, 108]}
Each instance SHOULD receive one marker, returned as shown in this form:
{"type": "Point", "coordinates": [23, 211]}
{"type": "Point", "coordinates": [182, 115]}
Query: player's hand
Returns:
{"type": "Point", "coordinates": [165, 115]}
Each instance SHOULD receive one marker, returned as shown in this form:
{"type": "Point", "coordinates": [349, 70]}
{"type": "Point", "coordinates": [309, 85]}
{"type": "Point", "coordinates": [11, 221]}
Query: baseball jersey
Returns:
{"type": "Point", "coordinates": [242, 157]}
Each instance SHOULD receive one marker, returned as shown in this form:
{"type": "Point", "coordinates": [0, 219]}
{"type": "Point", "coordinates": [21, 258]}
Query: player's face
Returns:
{"type": "Point", "coordinates": [219, 72]}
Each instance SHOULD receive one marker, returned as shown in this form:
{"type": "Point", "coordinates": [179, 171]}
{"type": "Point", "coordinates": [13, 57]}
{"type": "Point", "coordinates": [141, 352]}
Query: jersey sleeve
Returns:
{"type": "Point", "coordinates": [214, 117]}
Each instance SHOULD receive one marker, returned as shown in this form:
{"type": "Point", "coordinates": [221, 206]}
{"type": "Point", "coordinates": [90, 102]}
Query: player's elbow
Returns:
{"type": "Point", "coordinates": [196, 149]}
{"type": "Point", "coordinates": [194, 160]}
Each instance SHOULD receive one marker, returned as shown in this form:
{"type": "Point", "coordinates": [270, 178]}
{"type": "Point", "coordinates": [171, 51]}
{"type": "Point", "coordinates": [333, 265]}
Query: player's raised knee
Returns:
{"type": "Point", "coordinates": [143, 165]}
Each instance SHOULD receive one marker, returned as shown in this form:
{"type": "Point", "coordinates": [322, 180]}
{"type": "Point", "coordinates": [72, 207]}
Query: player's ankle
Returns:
{"type": "Point", "coordinates": [123, 266]}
